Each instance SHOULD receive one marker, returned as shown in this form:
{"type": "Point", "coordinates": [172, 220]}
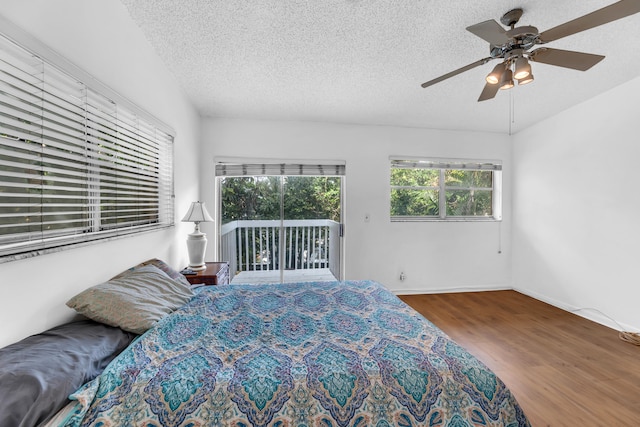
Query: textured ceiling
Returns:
{"type": "Point", "coordinates": [362, 61]}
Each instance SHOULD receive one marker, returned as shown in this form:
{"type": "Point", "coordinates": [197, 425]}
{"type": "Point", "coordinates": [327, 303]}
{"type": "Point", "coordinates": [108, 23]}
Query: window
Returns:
{"type": "Point", "coordinates": [445, 190]}
{"type": "Point", "coordinates": [75, 165]}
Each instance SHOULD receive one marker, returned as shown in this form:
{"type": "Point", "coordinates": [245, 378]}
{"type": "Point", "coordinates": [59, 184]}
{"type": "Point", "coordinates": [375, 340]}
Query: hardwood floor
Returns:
{"type": "Point", "coordinates": [563, 369]}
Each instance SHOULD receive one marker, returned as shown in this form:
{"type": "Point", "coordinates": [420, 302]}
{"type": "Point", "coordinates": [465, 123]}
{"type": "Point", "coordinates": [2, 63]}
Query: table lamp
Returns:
{"type": "Point", "coordinates": [197, 241]}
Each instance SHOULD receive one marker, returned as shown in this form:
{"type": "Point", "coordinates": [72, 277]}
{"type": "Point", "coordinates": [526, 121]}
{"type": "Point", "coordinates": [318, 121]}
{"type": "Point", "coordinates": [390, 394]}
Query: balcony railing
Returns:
{"type": "Point", "coordinates": [307, 244]}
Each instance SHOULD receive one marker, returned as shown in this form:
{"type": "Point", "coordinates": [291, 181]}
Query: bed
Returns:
{"type": "Point", "coordinates": [302, 354]}
{"type": "Point", "coordinates": [314, 354]}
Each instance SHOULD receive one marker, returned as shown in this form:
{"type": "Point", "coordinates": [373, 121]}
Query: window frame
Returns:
{"type": "Point", "coordinates": [443, 165]}
{"type": "Point", "coordinates": [141, 151]}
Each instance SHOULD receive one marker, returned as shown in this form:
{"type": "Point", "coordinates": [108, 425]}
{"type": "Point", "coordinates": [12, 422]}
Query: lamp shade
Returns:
{"type": "Point", "coordinates": [522, 68]}
{"type": "Point", "coordinates": [506, 81]}
{"type": "Point", "coordinates": [197, 213]}
{"type": "Point", "coordinates": [493, 77]}
{"type": "Point", "coordinates": [526, 80]}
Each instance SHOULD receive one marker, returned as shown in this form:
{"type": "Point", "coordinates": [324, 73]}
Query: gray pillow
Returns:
{"type": "Point", "coordinates": [171, 272]}
{"type": "Point", "coordinates": [134, 301]}
{"type": "Point", "coordinates": [38, 373]}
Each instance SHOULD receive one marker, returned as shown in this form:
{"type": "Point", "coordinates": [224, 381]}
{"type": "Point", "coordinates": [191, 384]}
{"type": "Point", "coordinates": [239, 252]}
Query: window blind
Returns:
{"type": "Point", "coordinates": [445, 164]}
{"type": "Point", "coordinates": [277, 169]}
{"type": "Point", "coordinates": [74, 165]}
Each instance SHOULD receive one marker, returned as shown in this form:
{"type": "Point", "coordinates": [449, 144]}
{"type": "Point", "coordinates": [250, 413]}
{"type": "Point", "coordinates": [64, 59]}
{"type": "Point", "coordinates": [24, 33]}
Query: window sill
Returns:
{"type": "Point", "coordinates": [37, 252]}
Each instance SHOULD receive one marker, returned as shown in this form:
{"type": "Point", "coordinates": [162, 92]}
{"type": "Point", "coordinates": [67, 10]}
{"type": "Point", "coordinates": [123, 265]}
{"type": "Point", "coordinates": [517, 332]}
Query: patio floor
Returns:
{"type": "Point", "coordinates": [290, 276]}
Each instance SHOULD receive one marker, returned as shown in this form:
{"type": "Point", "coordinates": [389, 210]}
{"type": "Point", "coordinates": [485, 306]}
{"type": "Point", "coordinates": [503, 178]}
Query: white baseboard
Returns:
{"type": "Point", "coordinates": [450, 290]}
{"type": "Point", "coordinates": [586, 312]}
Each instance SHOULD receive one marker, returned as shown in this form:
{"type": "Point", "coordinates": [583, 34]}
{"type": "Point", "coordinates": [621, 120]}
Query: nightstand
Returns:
{"type": "Point", "coordinates": [216, 273]}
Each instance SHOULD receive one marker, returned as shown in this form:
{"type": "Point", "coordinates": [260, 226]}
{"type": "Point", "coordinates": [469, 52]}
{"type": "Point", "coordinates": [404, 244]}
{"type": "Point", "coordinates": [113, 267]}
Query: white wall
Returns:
{"type": "Point", "coordinates": [99, 37]}
{"type": "Point", "coordinates": [435, 256]}
{"type": "Point", "coordinates": [576, 208]}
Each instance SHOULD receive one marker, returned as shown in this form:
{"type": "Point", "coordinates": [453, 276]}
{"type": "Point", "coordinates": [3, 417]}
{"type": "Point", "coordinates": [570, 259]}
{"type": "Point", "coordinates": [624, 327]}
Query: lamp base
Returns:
{"type": "Point", "coordinates": [198, 267]}
{"type": "Point", "coordinates": [196, 246]}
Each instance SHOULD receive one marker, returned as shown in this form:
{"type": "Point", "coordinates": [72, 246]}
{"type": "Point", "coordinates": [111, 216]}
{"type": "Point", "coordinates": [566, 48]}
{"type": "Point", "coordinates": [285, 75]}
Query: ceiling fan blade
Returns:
{"type": "Point", "coordinates": [456, 72]}
{"type": "Point", "coordinates": [489, 92]}
{"type": "Point", "coordinates": [565, 58]}
{"type": "Point", "coordinates": [607, 14]}
{"type": "Point", "coordinates": [490, 31]}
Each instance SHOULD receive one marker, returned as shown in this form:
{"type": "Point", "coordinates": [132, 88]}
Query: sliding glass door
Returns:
{"type": "Point", "coordinates": [280, 228]}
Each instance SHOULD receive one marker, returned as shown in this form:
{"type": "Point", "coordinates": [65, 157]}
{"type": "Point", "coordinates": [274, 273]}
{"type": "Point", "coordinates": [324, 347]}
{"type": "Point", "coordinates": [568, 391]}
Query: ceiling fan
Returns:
{"type": "Point", "coordinates": [513, 46]}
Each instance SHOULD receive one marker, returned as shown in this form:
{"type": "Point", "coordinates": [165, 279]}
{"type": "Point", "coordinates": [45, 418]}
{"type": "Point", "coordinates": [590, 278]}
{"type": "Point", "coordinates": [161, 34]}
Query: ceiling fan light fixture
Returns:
{"type": "Point", "coordinates": [522, 68]}
{"type": "Point", "coordinates": [506, 81]}
{"type": "Point", "coordinates": [495, 75]}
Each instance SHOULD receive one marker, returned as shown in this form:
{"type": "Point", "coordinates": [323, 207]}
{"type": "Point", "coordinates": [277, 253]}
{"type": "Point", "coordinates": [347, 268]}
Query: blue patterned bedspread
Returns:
{"type": "Point", "coordinates": [305, 354]}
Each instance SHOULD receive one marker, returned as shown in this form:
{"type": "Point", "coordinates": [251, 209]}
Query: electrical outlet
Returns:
{"type": "Point", "coordinates": [402, 276]}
